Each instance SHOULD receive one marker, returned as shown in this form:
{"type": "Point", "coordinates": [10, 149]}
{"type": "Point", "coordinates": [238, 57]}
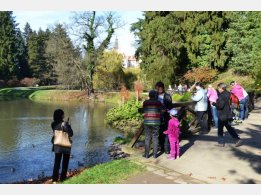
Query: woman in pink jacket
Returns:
{"type": "Point", "coordinates": [212, 98]}
{"type": "Point", "coordinates": [173, 134]}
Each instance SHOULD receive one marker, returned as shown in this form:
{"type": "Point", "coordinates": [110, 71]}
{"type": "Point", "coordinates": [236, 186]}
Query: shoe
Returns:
{"type": "Point", "coordinates": [145, 155]}
{"type": "Point", "coordinates": [167, 152]}
{"type": "Point", "coordinates": [220, 144]}
{"type": "Point", "coordinates": [239, 121]}
{"type": "Point", "coordinates": [239, 143]}
{"type": "Point", "coordinates": [177, 157]}
{"type": "Point", "coordinates": [171, 158]}
{"type": "Point", "coordinates": [155, 155]}
{"type": "Point", "coordinates": [54, 182]}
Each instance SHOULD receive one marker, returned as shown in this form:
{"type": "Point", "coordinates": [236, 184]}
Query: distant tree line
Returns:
{"type": "Point", "coordinates": [169, 45]}
{"type": "Point", "coordinates": [173, 43]}
{"type": "Point", "coordinates": [50, 57]}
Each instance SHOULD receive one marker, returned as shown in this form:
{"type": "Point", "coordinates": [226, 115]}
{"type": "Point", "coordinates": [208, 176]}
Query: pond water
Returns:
{"type": "Point", "coordinates": [25, 137]}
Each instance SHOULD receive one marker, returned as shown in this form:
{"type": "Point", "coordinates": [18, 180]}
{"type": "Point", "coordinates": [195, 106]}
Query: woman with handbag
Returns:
{"type": "Point", "coordinates": [62, 133]}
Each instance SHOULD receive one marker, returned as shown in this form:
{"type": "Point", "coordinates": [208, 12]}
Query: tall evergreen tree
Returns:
{"type": "Point", "coordinates": [37, 58]}
{"type": "Point", "coordinates": [244, 42]}
{"type": "Point", "coordinates": [8, 50]}
{"type": "Point", "coordinates": [170, 43]}
{"type": "Point", "coordinates": [160, 45]}
{"type": "Point", "coordinates": [64, 58]}
{"type": "Point", "coordinates": [205, 40]}
{"type": "Point", "coordinates": [22, 56]}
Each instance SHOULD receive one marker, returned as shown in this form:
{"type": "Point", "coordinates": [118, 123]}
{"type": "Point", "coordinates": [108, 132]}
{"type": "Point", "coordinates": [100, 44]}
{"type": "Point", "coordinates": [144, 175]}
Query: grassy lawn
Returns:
{"type": "Point", "coordinates": [17, 92]}
{"type": "Point", "coordinates": [113, 172]}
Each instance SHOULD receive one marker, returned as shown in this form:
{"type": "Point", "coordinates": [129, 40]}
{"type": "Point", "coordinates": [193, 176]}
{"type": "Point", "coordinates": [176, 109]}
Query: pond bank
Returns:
{"type": "Point", "coordinates": [52, 94]}
{"type": "Point", "coordinates": [113, 172]}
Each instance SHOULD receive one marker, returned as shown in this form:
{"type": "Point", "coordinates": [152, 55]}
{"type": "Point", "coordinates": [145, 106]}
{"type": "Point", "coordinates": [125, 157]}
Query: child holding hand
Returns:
{"type": "Point", "coordinates": [173, 134]}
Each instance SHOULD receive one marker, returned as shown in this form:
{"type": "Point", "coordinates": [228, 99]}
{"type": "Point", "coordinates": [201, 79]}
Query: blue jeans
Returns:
{"type": "Point", "coordinates": [246, 107]}
{"type": "Point", "coordinates": [242, 109]}
{"type": "Point", "coordinates": [214, 115]}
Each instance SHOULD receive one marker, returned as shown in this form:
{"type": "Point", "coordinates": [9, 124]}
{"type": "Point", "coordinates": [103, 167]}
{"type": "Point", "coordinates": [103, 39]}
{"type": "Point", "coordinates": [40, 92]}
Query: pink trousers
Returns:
{"type": "Point", "coordinates": [174, 146]}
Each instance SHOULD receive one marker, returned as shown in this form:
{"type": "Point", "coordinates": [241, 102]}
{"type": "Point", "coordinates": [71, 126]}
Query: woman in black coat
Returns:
{"type": "Point", "coordinates": [225, 116]}
{"type": "Point", "coordinates": [61, 151]}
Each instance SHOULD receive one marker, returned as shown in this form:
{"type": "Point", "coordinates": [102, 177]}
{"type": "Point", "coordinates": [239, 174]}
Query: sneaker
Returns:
{"type": "Point", "coordinates": [145, 156]}
{"type": "Point", "coordinates": [155, 155]}
{"type": "Point", "coordinates": [239, 143]}
{"type": "Point", "coordinates": [220, 144]}
{"type": "Point", "coordinates": [239, 121]}
{"type": "Point", "coordinates": [171, 158]}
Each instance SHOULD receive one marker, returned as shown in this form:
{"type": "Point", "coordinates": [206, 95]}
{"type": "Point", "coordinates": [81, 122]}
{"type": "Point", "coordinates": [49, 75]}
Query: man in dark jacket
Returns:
{"type": "Point", "coordinates": [225, 116]}
{"type": "Point", "coordinates": [166, 101]}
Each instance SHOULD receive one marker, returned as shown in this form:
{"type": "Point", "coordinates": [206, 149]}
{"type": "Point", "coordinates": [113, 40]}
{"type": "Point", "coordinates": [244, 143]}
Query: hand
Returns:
{"type": "Point", "coordinates": [165, 132]}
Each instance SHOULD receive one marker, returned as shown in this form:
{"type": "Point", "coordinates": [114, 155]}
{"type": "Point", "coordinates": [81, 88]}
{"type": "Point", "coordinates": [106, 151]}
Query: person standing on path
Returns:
{"type": "Point", "coordinates": [201, 106]}
{"type": "Point", "coordinates": [61, 152]}
{"type": "Point", "coordinates": [173, 134]}
{"type": "Point", "coordinates": [225, 116]}
{"type": "Point", "coordinates": [237, 90]}
{"type": "Point", "coordinates": [151, 109]}
{"type": "Point", "coordinates": [246, 96]}
{"type": "Point", "coordinates": [212, 98]}
{"type": "Point", "coordinates": [166, 102]}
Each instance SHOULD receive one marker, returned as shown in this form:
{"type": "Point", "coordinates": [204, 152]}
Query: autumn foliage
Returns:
{"type": "Point", "coordinates": [138, 86]}
{"type": "Point", "coordinates": [125, 94]}
{"type": "Point", "coordinates": [200, 74]}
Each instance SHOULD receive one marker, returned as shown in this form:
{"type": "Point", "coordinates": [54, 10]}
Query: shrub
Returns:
{"type": "Point", "coordinates": [138, 89]}
{"type": "Point", "coordinates": [13, 83]}
{"type": "Point", "coordinates": [125, 94]}
{"type": "Point", "coordinates": [28, 82]}
{"type": "Point", "coordinates": [125, 117]}
{"type": "Point", "coordinates": [200, 74]}
{"type": "Point", "coordinates": [130, 76]}
{"type": "Point", "coordinates": [2, 83]}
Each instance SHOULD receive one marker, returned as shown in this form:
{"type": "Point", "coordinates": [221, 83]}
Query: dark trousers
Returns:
{"type": "Point", "coordinates": [203, 121]}
{"type": "Point", "coordinates": [151, 132]}
{"type": "Point", "coordinates": [56, 167]}
{"type": "Point", "coordinates": [230, 130]}
{"type": "Point", "coordinates": [163, 139]}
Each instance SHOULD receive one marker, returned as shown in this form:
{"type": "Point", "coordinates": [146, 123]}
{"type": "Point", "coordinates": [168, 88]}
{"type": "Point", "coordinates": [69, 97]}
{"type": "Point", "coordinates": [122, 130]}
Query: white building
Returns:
{"type": "Point", "coordinates": [130, 61]}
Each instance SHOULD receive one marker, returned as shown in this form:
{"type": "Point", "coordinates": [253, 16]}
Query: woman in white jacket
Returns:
{"type": "Point", "coordinates": [200, 97]}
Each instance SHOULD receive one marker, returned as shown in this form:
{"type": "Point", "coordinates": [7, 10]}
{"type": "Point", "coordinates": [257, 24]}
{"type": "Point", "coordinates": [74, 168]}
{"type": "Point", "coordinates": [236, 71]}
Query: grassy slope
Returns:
{"type": "Point", "coordinates": [226, 77]}
{"type": "Point", "coordinates": [16, 93]}
{"type": "Point", "coordinates": [113, 172]}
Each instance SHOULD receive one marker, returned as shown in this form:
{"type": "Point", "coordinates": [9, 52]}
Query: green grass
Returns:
{"type": "Point", "coordinates": [113, 172]}
{"type": "Point", "coordinates": [182, 98]}
{"type": "Point", "coordinates": [17, 92]}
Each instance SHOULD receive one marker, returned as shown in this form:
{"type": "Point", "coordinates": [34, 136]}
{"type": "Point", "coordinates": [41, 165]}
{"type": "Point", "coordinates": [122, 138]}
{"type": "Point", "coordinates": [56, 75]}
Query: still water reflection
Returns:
{"type": "Point", "coordinates": [25, 137]}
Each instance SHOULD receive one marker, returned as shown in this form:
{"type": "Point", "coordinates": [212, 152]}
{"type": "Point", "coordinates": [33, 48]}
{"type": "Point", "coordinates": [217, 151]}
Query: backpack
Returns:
{"type": "Point", "coordinates": [234, 100]}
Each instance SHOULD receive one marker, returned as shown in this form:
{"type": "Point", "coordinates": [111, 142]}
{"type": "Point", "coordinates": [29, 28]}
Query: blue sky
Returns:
{"type": "Point", "coordinates": [44, 19]}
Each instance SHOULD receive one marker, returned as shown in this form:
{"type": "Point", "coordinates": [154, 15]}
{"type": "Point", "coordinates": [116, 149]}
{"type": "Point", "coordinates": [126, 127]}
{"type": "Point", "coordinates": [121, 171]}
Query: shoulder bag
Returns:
{"type": "Point", "coordinates": [61, 138]}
